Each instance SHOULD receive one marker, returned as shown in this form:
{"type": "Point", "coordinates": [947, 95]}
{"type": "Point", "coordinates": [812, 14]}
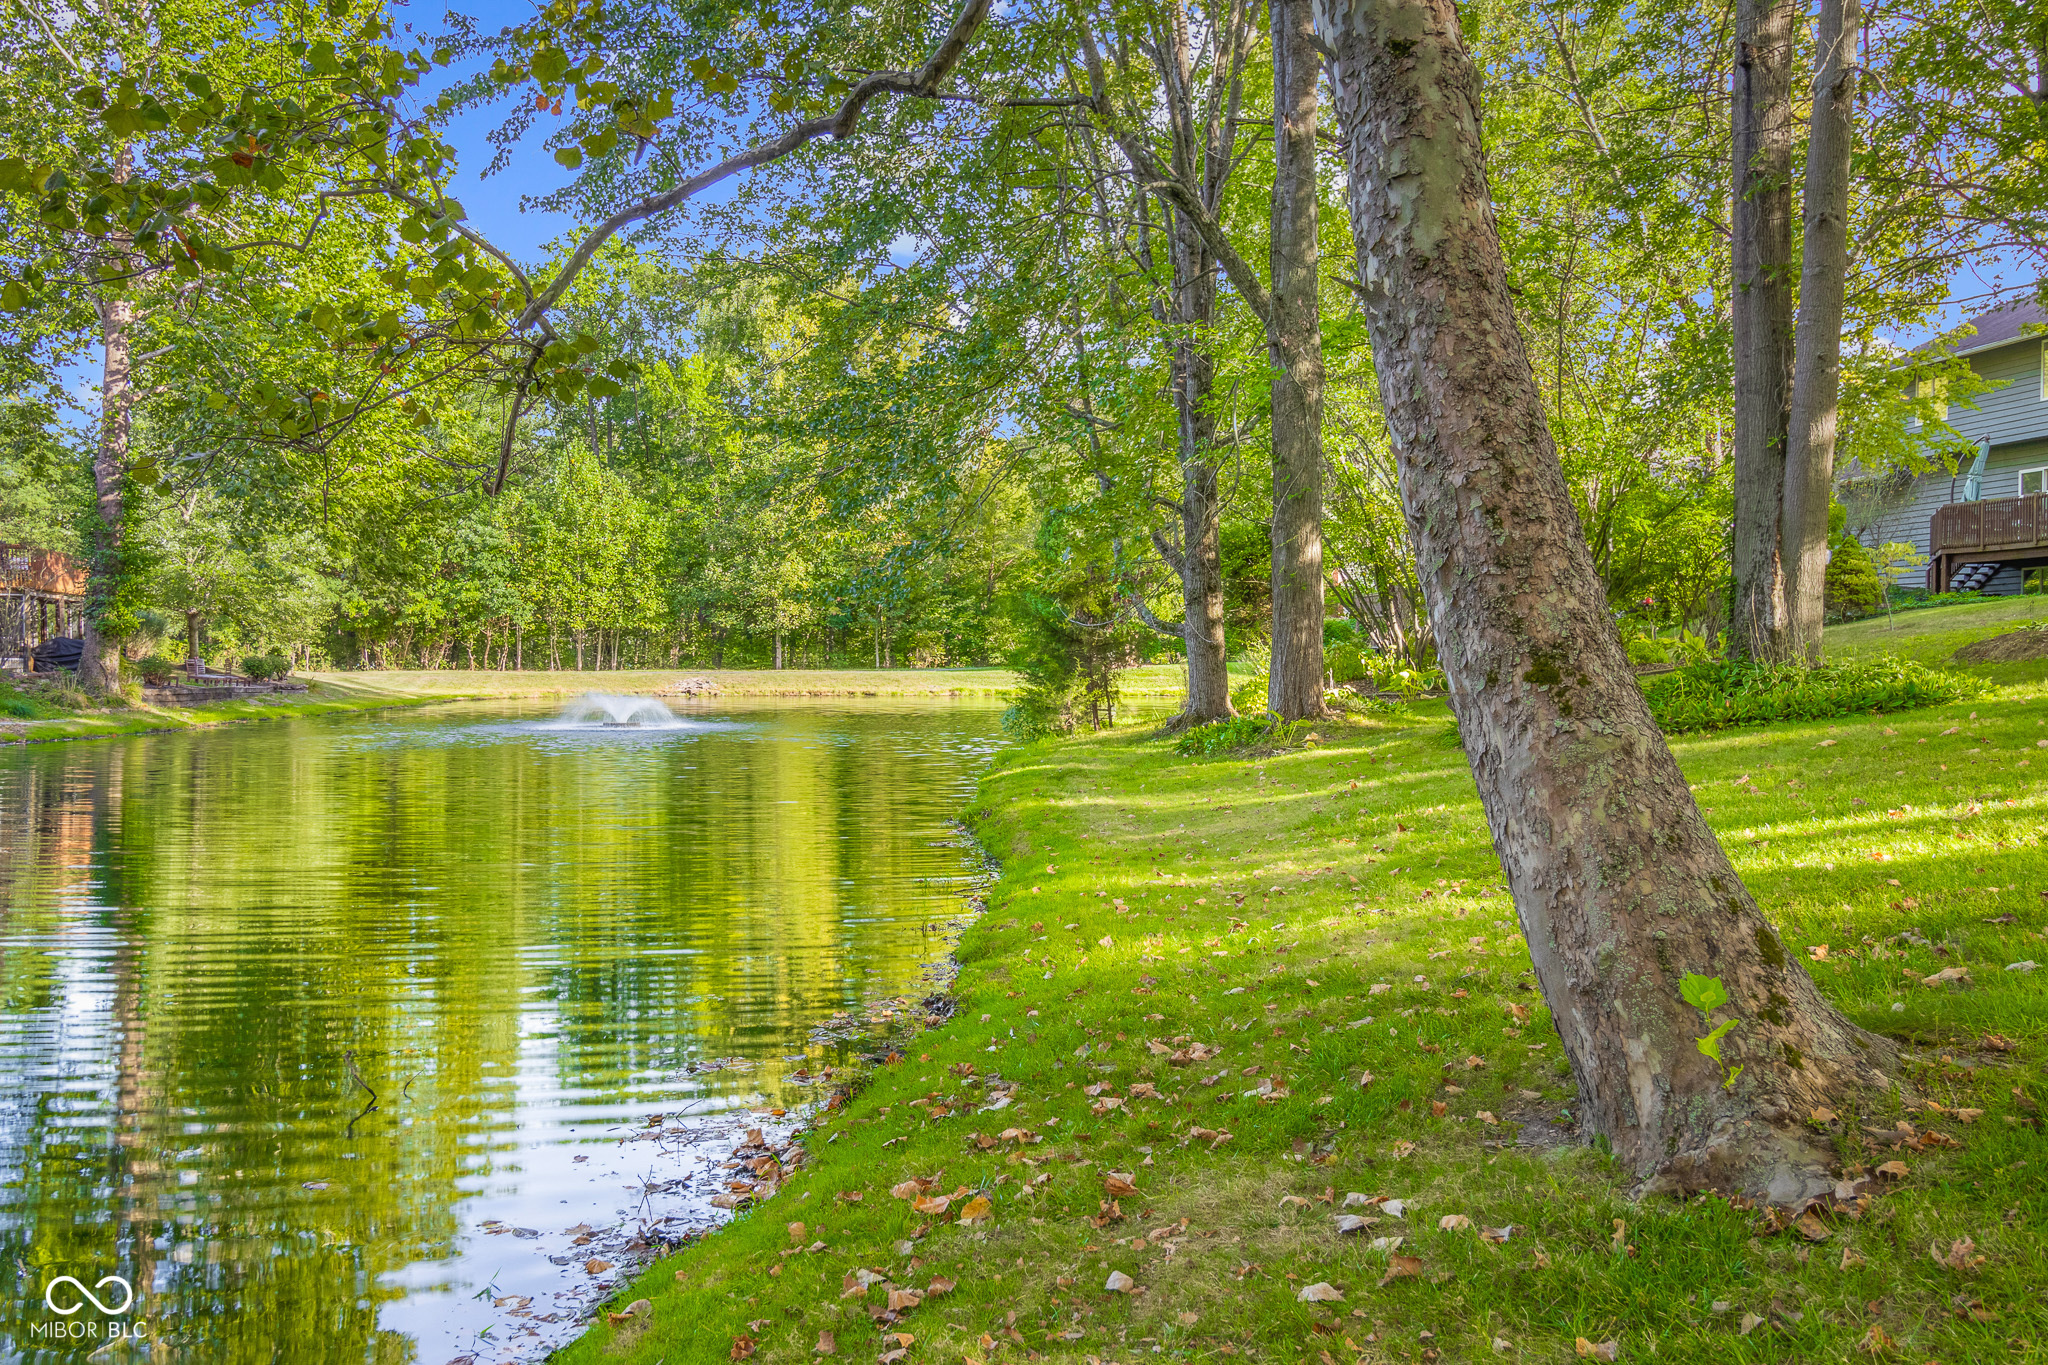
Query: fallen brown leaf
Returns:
{"type": "Point", "coordinates": [1961, 1255]}
{"type": "Point", "coordinates": [1606, 1350]}
{"type": "Point", "coordinates": [1401, 1268]}
{"type": "Point", "coordinates": [742, 1347]}
{"type": "Point", "coordinates": [1809, 1226]}
{"type": "Point", "coordinates": [828, 1345]}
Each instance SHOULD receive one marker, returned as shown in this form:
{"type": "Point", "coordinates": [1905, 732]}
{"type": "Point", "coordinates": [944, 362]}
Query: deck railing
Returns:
{"type": "Point", "coordinates": [1992, 525]}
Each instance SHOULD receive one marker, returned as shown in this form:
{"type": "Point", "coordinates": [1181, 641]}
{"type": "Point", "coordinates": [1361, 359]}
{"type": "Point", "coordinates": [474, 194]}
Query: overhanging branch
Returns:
{"type": "Point", "coordinates": [922, 84]}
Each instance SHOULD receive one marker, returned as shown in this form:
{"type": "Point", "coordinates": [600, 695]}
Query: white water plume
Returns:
{"type": "Point", "coordinates": [611, 709]}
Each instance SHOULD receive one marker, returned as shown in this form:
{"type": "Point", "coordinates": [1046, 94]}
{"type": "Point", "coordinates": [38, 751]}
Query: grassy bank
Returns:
{"type": "Point", "coordinates": [1214, 998]}
{"type": "Point", "coordinates": [50, 723]}
{"type": "Point", "coordinates": [1934, 635]}
{"type": "Point", "coordinates": [735, 682]}
{"type": "Point", "coordinates": [330, 693]}
{"type": "Point", "coordinates": [1150, 682]}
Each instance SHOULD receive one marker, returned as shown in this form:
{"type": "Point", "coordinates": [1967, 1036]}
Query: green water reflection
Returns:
{"type": "Point", "coordinates": [523, 935]}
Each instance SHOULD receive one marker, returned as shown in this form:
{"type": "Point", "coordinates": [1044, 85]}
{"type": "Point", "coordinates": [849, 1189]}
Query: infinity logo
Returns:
{"type": "Point", "coordinates": [50, 1295]}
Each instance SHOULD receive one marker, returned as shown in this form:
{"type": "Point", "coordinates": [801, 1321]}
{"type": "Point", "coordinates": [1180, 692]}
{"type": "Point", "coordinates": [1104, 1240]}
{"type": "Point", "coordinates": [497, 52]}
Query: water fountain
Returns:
{"type": "Point", "coordinates": [612, 711]}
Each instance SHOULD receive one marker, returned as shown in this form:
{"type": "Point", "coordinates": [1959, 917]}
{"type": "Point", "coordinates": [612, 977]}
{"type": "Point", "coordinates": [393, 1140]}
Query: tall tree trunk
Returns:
{"type": "Point", "coordinates": [1620, 886]}
{"type": "Point", "coordinates": [1761, 256]}
{"type": "Point", "coordinates": [1295, 683]}
{"type": "Point", "coordinates": [1817, 363]}
{"type": "Point", "coordinates": [99, 662]}
{"type": "Point", "coordinates": [1201, 504]}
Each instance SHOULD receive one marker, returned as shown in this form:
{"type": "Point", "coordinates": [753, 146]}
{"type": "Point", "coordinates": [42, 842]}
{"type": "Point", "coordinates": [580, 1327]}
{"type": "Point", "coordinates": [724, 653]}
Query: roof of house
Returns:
{"type": "Point", "coordinates": [2003, 324]}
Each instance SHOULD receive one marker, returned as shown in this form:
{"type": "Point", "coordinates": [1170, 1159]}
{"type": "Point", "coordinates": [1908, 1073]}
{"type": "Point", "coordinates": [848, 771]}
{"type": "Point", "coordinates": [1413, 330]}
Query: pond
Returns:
{"type": "Point", "coordinates": [403, 1037]}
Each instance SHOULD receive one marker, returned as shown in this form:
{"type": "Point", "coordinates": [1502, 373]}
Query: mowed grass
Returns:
{"type": "Point", "coordinates": [791, 682]}
{"type": "Point", "coordinates": [1933, 635]}
{"type": "Point", "coordinates": [1157, 680]}
{"type": "Point", "coordinates": [1319, 916]}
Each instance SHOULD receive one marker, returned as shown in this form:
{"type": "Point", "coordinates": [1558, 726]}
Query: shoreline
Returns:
{"type": "Point", "coordinates": [1238, 1028]}
{"type": "Point", "coordinates": [374, 690]}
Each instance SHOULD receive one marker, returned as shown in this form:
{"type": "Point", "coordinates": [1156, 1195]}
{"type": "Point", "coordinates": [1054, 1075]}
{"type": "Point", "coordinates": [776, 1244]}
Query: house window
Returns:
{"type": "Point", "coordinates": [2034, 481]}
{"type": "Point", "coordinates": [1936, 389]}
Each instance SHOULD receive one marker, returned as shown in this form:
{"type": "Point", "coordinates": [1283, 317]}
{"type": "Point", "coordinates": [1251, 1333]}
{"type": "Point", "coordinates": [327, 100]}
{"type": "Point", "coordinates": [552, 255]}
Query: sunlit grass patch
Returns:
{"type": "Point", "coordinates": [1313, 952]}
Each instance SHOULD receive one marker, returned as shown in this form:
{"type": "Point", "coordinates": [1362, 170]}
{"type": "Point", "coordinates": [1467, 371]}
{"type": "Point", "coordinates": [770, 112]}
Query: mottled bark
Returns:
{"type": "Point", "coordinates": [1761, 257]}
{"type": "Point", "coordinates": [1295, 683]}
{"type": "Point", "coordinates": [1620, 886]}
{"type": "Point", "coordinates": [1201, 505]}
{"type": "Point", "coordinates": [1817, 364]}
{"type": "Point", "coordinates": [99, 663]}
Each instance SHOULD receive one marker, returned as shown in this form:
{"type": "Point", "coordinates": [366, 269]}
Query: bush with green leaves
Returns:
{"type": "Point", "coordinates": [266, 667]}
{"type": "Point", "coordinates": [1713, 696]}
{"type": "Point", "coordinates": [155, 669]}
{"type": "Point", "coordinates": [1345, 662]}
{"type": "Point", "coordinates": [1240, 732]}
{"type": "Point", "coordinates": [1851, 588]}
{"type": "Point", "coordinates": [1647, 649]}
{"type": "Point", "coordinates": [1072, 635]}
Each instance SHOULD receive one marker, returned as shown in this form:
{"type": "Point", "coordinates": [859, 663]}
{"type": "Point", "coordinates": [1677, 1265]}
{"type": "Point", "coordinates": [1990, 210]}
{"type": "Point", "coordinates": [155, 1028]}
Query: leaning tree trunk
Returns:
{"type": "Point", "coordinates": [1817, 364]}
{"type": "Point", "coordinates": [1620, 886]}
{"type": "Point", "coordinates": [1295, 684]}
{"type": "Point", "coordinates": [99, 660]}
{"type": "Point", "coordinates": [1761, 258]}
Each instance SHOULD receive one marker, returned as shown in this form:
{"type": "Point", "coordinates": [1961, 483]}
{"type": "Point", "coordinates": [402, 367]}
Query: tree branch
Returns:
{"type": "Point", "coordinates": [921, 85]}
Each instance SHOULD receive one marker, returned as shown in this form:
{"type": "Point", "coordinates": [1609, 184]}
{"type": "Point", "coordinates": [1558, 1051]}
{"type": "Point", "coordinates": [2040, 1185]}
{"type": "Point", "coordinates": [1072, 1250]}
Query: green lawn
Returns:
{"type": "Point", "coordinates": [1320, 915]}
{"type": "Point", "coordinates": [1932, 635]}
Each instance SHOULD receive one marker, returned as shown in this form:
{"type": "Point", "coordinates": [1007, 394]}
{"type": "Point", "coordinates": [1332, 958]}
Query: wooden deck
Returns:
{"type": "Point", "coordinates": [2005, 531]}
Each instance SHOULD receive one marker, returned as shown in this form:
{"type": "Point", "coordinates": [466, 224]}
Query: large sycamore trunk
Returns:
{"type": "Point", "coordinates": [1761, 259]}
{"type": "Point", "coordinates": [1295, 683]}
{"type": "Point", "coordinates": [1620, 886]}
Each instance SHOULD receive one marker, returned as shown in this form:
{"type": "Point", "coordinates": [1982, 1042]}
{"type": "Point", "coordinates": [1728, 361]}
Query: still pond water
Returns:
{"type": "Point", "coordinates": [333, 1037]}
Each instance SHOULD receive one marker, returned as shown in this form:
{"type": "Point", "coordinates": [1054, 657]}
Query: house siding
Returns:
{"type": "Point", "coordinates": [2013, 418]}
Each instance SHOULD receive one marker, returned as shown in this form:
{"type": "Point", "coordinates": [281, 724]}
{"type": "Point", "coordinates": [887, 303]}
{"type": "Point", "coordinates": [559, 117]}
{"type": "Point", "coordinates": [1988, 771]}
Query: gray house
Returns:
{"type": "Point", "coordinates": [1986, 525]}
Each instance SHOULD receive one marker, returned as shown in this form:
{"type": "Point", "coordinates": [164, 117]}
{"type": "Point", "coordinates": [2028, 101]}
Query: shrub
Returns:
{"type": "Point", "coordinates": [1711, 696]}
{"type": "Point", "coordinates": [1345, 662]}
{"type": "Point", "coordinates": [264, 667]}
{"type": "Point", "coordinates": [1249, 696]}
{"type": "Point", "coordinates": [155, 669]}
{"type": "Point", "coordinates": [1851, 588]}
{"type": "Point", "coordinates": [1338, 631]}
{"type": "Point", "coordinates": [1239, 732]}
{"type": "Point", "coordinates": [1066, 667]}
{"type": "Point", "coordinates": [1646, 649]}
